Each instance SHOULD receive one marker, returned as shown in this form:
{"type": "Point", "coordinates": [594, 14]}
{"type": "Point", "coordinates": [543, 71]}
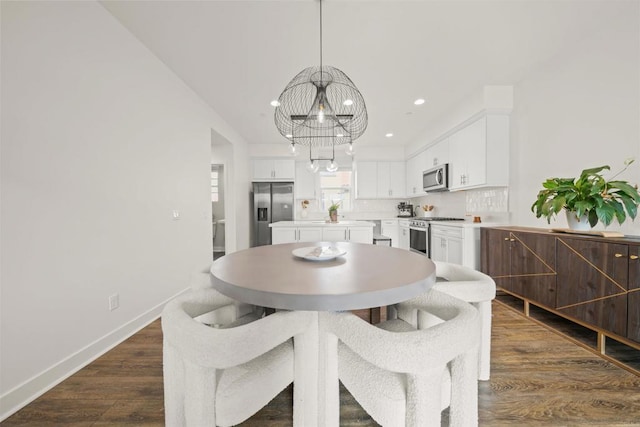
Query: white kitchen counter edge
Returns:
{"type": "Point", "coordinates": [297, 224]}
{"type": "Point", "coordinates": [468, 224]}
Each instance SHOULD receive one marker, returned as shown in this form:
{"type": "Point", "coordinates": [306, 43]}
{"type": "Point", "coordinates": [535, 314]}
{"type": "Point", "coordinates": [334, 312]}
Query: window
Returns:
{"type": "Point", "coordinates": [335, 187]}
{"type": "Point", "coordinates": [214, 183]}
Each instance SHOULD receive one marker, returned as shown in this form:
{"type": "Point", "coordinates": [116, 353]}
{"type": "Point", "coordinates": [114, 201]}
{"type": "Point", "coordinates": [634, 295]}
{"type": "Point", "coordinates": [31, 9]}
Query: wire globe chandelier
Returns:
{"type": "Point", "coordinates": [321, 108]}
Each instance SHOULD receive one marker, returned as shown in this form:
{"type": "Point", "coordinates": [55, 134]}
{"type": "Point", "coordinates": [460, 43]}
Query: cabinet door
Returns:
{"type": "Point", "coordinates": [360, 234]}
{"type": "Point", "coordinates": [383, 180]}
{"type": "Point", "coordinates": [415, 166]}
{"type": "Point", "coordinates": [438, 245]}
{"type": "Point", "coordinates": [403, 239]}
{"type": "Point", "coordinates": [391, 180]}
{"type": "Point", "coordinates": [633, 297]}
{"type": "Point", "coordinates": [334, 234]}
{"type": "Point", "coordinates": [495, 253]}
{"type": "Point", "coordinates": [453, 246]}
{"type": "Point", "coordinates": [532, 262]}
{"type": "Point", "coordinates": [309, 234]}
{"type": "Point", "coordinates": [592, 282]}
{"type": "Point", "coordinates": [305, 184]}
{"type": "Point", "coordinates": [467, 156]}
{"type": "Point", "coordinates": [397, 177]}
{"type": "Point", "coordinates": [366, 180]}
{"type": "Point", "coordinates": [263, 169]}
{"type": "Point", "coordinates": [439, 153]}
{"type": "Point", "coordinates": [284, 169]}
{"type": "Point", "coordinates": [475, 154]}
{"type": "Point", "coordinates": [391, 229]}
{"type": "Point", "coordinates": [520, 263]}
{"type": "Point", "coordinates": [283, 235]}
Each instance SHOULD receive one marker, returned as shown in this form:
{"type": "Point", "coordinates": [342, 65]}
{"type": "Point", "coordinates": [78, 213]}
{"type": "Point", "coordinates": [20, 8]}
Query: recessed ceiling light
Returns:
{"type": "Point", "coordinates": [419, 101]}
{"type": "Point", "coordinates": [289, 135]}
{"type": "Point", "coordinates": [340, 135]}
{"type": "Point", "coordinates": [347, 102]}
{"type": "Point", "coordinates": [389, 135]}
{"type": "Point", "coordinates": [275, 103]}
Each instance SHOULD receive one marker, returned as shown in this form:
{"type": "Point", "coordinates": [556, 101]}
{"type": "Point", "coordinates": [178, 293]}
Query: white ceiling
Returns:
{"type": "Point", "coordinates": [239, 55]}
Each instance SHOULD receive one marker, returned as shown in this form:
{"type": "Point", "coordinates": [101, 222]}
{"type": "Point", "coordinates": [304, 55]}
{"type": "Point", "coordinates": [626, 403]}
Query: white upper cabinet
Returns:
{"type": "Point", "coordinates": [391, 180]}
{"type": "Point", "coordinates": [380, 180]}
{"type": "Point", "coordinates": [274, 169]}
{"type": "Point", "coordinates": [415, 166]}
{"type": "Point", "coordinates": [305, 183]}
{"type": "Point", "coordinates": [366, 180]}
{"type": "Point", "coordinates": [438, 154]}
{"type": "Point", "coordinates": [479, 154]}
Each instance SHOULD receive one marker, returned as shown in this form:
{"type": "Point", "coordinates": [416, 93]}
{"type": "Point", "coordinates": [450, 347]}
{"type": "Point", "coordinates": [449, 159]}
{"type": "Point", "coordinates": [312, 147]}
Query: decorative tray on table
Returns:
{"type": "Point", "coordinates": [318, 253]}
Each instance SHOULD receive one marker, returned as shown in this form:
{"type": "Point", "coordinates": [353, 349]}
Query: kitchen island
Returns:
{"type": "Point", "coordinates": [317, 231]}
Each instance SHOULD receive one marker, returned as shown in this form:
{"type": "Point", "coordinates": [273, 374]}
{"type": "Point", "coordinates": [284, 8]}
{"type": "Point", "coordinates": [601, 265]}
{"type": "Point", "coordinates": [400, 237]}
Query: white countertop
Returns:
{"type": "Point", "coordinates": [320, 223]}
{"type": "Point", "coordinates": [466, 224]}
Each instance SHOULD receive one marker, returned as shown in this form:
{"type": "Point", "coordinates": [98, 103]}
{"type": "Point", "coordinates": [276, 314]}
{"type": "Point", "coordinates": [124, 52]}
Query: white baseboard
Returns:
{"type": "Point", "coordinates": [20, 396]}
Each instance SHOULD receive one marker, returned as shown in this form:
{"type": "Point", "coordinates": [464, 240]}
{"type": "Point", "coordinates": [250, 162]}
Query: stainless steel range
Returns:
{"type": "Point", "coordinates": [419, 233]}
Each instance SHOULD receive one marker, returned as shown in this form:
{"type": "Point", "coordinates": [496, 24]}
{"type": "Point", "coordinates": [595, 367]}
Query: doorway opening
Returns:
{"type": "Point", "coordinates": [217, 210]}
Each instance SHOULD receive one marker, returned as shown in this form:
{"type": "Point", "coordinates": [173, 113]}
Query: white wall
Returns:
{"type": "Point", "coordinates": [579, 110]}
{"type": "Point", "coordinates": [100, 143]}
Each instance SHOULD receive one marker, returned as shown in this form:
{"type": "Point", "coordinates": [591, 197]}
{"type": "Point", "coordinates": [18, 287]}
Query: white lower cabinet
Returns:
{"type": "Point", "coordinates": [403, 235]}
{"type": "Point", "coordinates": [292, 235]}
{"type": "Point", "coordinates": [360, 234]}
{"type": "Point", "coordinates": [348, 234]}
{"type": "Point", "coordinates": [334, 234]}
{"type": "Point", "coordinates": [457, 245]}
{"type": "Point", "coordinates": [390, 228]}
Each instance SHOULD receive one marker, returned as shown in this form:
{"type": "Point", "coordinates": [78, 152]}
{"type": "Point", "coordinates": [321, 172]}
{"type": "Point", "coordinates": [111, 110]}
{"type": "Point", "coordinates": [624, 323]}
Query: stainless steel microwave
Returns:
{"type": "Point", "coordinates": [436, 178]}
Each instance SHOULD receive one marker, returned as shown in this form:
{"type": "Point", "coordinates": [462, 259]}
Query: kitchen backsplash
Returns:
{"type": "Point", "coordinates": [489, 203]}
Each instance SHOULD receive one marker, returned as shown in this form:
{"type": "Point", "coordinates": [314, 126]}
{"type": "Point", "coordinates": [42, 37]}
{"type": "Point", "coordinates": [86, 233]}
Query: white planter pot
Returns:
{"type": "Point", "coordinates": [576, 223]}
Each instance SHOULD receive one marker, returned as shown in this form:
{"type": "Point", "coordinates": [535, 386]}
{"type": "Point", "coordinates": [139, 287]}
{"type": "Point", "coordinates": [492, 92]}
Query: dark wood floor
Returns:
{"type": "Point", "coordinates": [538, 378]}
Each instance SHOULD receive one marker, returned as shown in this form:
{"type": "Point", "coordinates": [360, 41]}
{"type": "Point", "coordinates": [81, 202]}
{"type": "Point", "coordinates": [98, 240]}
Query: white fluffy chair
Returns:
{"type": "Point", "coordinates": [478, 289]}
{"type": "Point", "coordinates": [235, 311]}
{"type": "Point", "coordinates": [222, 376]}
{"type": "Point", "coordinates": [404, 375]}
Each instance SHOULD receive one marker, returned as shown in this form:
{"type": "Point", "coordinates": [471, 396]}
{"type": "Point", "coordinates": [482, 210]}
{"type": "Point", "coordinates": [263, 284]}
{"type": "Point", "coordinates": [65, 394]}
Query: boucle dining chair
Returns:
{"type": "Point", "coordinates": [403, 374]}
{"type": "Point", "coordinates": [235, 311]}
{"type": "Point", "coordinates": [478, 289]}
{"type": "Point", "coordinates": [220, 376]}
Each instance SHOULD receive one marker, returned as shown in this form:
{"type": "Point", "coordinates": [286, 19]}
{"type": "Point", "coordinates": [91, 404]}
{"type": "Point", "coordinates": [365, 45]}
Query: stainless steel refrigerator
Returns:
{"type": "Point", "coordinates": [272, 202]}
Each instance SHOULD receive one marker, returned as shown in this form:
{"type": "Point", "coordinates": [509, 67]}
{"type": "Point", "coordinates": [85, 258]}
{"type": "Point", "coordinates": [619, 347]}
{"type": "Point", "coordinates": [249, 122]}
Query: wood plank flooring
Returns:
{"type": "Point", "coordinates": [538, 378]}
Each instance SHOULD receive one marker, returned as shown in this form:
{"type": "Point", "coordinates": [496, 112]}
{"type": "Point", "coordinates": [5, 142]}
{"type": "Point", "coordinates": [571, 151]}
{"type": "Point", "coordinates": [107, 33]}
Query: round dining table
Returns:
{"type": "Point", "coordinates": [317, 277]}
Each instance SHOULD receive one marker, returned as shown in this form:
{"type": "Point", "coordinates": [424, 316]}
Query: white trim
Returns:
{"type": "Point", "coordinates": [23, 394]}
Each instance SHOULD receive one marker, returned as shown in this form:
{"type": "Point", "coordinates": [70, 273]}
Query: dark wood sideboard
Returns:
{"type": "Point", "coordinates": [592, 281]}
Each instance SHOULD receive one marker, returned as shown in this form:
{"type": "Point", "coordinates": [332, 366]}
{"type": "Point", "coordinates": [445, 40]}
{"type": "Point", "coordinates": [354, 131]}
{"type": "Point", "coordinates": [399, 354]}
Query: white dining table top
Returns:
{"type": "Point", "coordinates": [365, 276]}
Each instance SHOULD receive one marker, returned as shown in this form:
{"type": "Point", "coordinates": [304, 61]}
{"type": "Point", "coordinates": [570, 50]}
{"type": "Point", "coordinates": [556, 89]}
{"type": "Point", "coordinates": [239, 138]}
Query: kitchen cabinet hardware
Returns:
{"type": "Point", "coordinates": [618, 255]}
{"type": "Point", "coordinates": [633, 256]}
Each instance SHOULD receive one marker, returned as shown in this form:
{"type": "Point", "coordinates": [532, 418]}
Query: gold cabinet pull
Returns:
{"type": "Point", "coordinates": [618, 255]}
{"type": "Point", "coordinates": [633, 256]}
{"type": "Point", "coordinates": [512, 240]}
{"type": "Point", "coordinates": [506, 238]}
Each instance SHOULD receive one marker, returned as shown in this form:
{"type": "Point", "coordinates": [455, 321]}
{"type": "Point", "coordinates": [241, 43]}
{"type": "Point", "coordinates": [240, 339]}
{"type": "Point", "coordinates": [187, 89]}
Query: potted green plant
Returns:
{"type": "Point", "coordinates": [589, 198]}
{"type": "Point", "coordinates": [333, 211]}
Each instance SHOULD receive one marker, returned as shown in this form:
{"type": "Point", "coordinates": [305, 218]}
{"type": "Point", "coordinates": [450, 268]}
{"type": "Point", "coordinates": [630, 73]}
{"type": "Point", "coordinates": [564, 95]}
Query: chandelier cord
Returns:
{"type": "Point", "coordinates": [321, 42]}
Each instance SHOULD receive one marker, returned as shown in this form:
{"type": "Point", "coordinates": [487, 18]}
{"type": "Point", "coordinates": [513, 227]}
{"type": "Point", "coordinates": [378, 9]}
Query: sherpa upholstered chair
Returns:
{"type": "Point", "coordinates": [220, 376]}
{"type": "Point", "coordinates": [235, 311]}
{"type": "Point", "coordinates": [403, 374]}
{"type": "Point", "coordinates": [478, 289]}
